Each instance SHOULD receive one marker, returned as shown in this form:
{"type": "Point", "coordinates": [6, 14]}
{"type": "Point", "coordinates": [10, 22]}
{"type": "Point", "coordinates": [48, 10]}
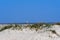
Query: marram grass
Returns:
{"type": "Point", "coordinates": [36, 26]}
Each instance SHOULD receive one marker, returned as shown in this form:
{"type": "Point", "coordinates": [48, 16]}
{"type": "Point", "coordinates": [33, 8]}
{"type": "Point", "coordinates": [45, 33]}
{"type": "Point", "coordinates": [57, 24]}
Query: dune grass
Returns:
{"type": "Point", "coordinates": [57, 23]}
{"type": "Point", "coordinates": [14, 27]}
{"type": "Point", "coordinates": [36, 26]}
{"type": "Point", "coordinates": [6, 27]}
{"type": "Point", "coordinates": [17, 27]}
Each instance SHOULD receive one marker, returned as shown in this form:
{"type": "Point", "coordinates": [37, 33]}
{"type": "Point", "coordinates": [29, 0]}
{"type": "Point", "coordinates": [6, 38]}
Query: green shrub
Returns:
{"type": "Point", "coordinates": [57, 23]}
{"type": "Point", "coordinates": [6, 27]}
{"type": "Point", "coordinates": [40, 26]}
{"type": "Point", "coordinates": [17, 27]}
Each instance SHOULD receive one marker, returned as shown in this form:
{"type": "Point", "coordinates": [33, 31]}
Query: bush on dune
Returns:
{"type": "Point", "coordinates": [57, 23]}
{"type": "Point", "coordinates": [14, 27]}
{"type": "Point", "coordinates": [37, 26]}
{"type": "Point", "coordinates": [40, 26]}
{"type": "Point", "coordinates": [17, 27]}
{"type": "Point", "coordinates": [6, 27]}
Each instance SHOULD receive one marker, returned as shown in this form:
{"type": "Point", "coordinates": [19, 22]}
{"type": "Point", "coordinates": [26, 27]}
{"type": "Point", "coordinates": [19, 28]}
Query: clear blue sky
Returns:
{"type": "Point", "coordinates": [17, 11]}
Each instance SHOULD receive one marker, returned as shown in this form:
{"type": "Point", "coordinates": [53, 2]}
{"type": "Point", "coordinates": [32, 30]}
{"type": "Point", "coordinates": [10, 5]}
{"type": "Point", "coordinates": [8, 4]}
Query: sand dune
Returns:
{"type": "Point", "coordinates": [27, 34]}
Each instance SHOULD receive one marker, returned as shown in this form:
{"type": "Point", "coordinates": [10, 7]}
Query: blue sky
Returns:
{"type": "Point", "coordinates": [18, 11]}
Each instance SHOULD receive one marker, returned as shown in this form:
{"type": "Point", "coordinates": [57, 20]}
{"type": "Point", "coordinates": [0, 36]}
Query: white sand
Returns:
{"type": "Point", "coordinates": [27, 34]}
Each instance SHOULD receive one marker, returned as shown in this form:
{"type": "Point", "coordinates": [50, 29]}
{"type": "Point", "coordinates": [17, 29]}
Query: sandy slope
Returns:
{"type": "Point", "coordinates": [27, 34]}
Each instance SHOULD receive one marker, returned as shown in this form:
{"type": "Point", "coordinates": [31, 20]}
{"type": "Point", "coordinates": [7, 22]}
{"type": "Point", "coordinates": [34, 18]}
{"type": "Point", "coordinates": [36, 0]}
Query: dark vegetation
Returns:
{"type": "Point", "coordinates": [54, 32]}
{"type": "Point", "coordinates": [6, 27]}
{"type": "Point", "coordinates": [35, 26]}
{"type": "Point", "coordinates": [57, 23]}
{"type": "Point", "coordinates": [15, 26]}
{"type": "Point", "coordinates": [39, 26]}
